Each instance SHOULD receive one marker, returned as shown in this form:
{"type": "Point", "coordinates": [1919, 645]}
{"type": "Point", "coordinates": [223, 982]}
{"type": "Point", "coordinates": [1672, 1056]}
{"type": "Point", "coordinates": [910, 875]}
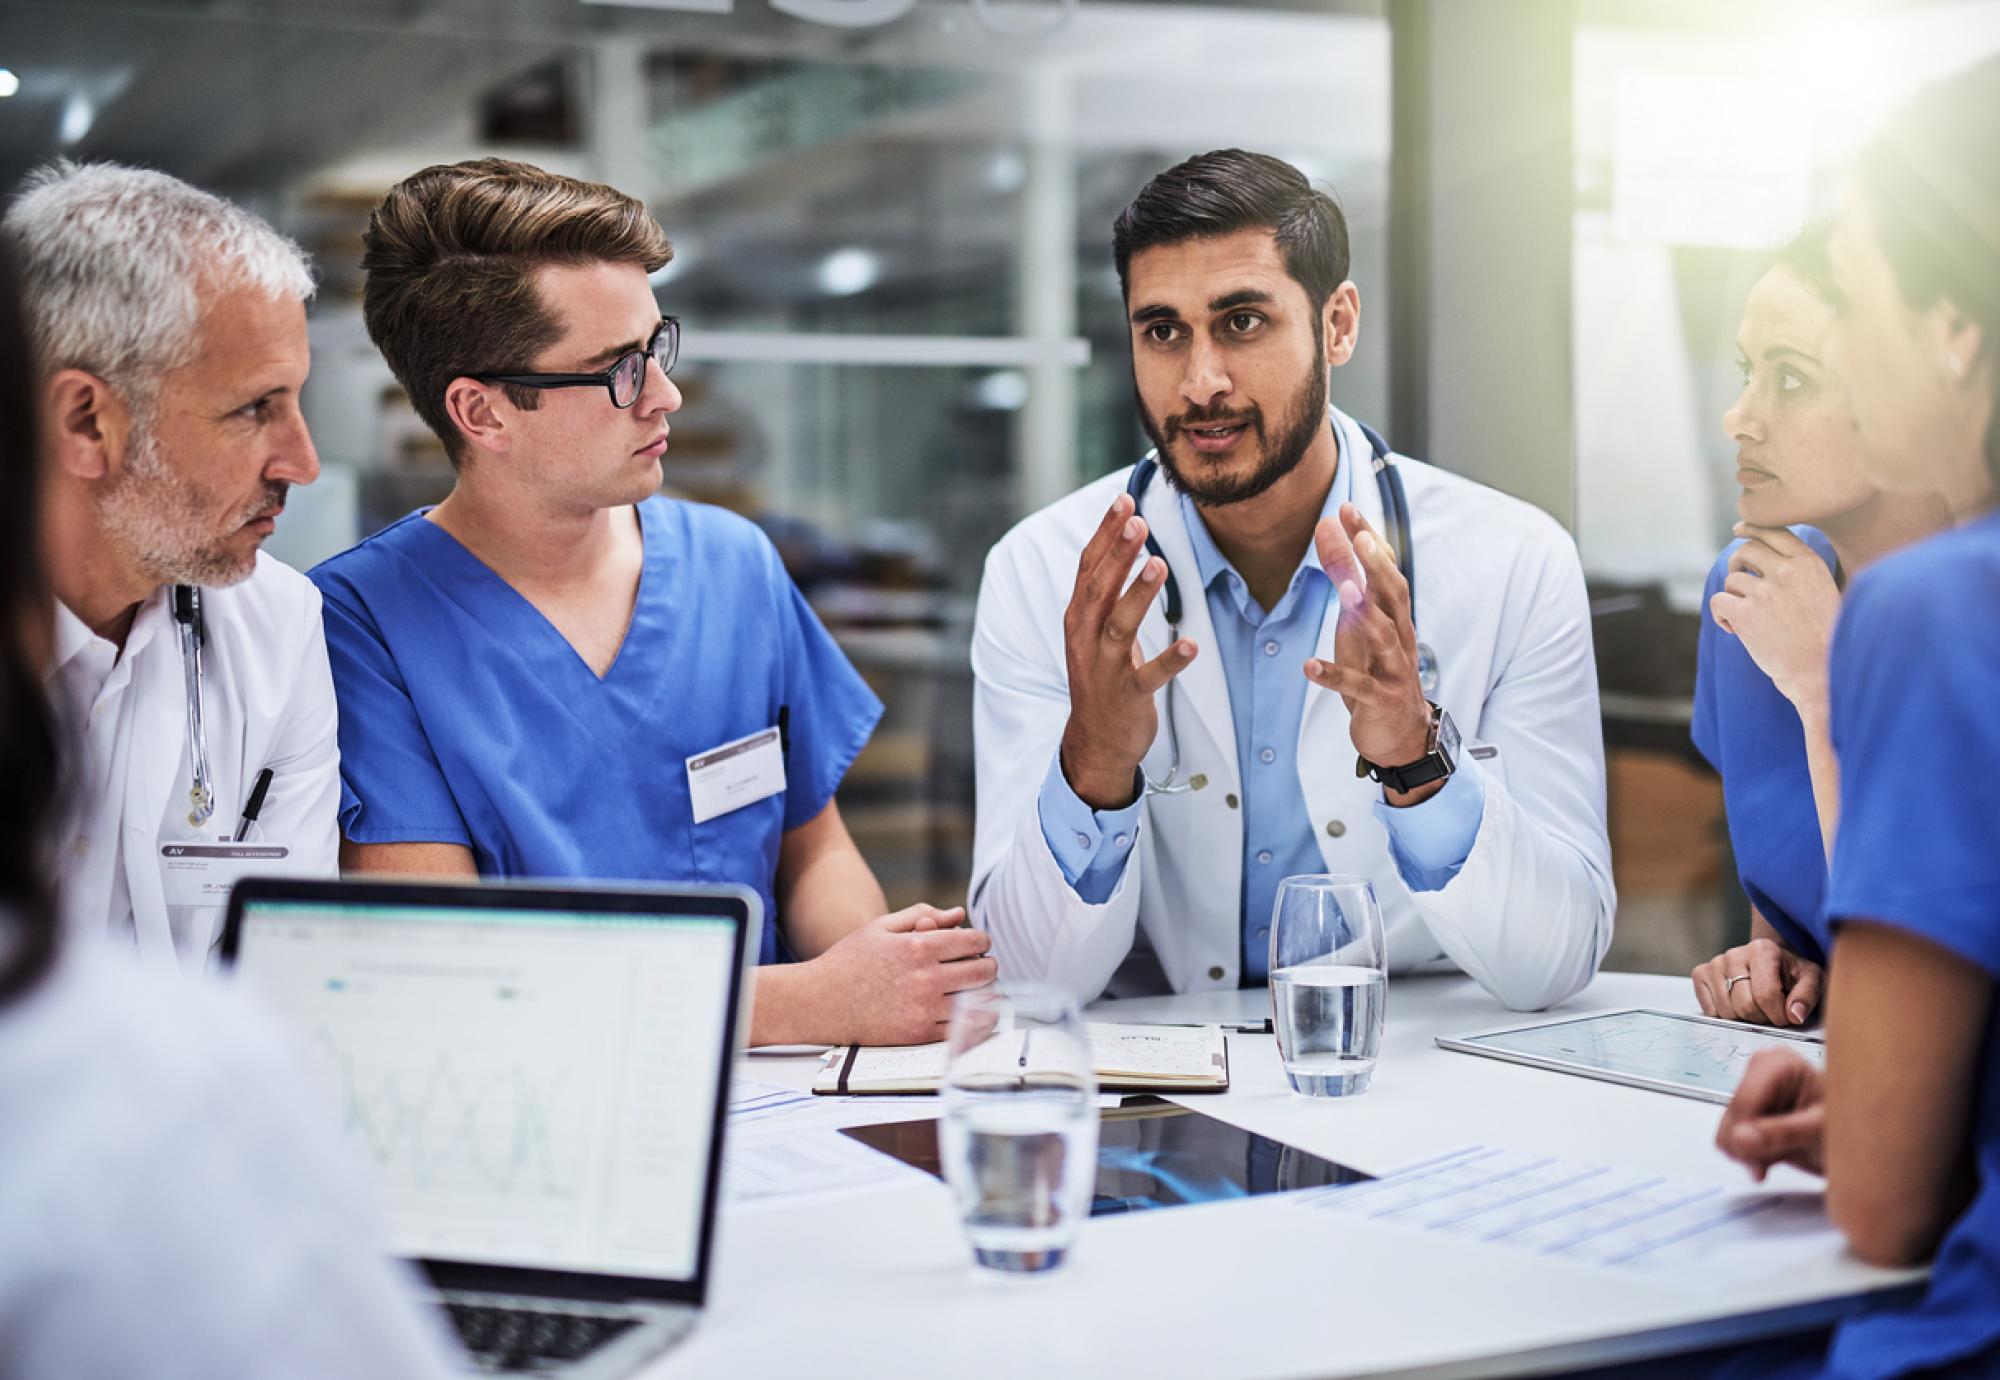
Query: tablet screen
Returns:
{"type": "Point", "coordinates": [1701, 1055]}
{"type": "Point", "coordinates": [1153, 1156]}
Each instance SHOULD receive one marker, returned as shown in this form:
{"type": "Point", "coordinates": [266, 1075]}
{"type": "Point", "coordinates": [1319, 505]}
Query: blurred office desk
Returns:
{"type": "Point", "coordinates": [883, 1284]}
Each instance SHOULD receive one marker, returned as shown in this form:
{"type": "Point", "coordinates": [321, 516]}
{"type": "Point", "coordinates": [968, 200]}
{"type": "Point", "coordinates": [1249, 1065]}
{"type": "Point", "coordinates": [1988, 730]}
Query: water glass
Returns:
{"type": "Point", "coordinates": [1329, 983]}
{"type": "Point", "coordinates": [1019, 1135]}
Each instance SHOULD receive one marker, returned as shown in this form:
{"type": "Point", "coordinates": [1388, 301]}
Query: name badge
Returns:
{"type": "Point", "coordinates": [201, 874]}
{"type": "Point", "coordinates": [735, 774]}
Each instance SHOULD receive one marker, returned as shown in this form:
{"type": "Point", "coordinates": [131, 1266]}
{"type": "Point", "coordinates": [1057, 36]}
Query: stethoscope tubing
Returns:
{"type": "Point", "coordinates": [194, 635]}
{"type": "Point", "coordinates": [1395, 507]}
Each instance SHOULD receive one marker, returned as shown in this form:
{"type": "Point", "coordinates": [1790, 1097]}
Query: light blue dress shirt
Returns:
{"type": "Point", "coordinates": [1262, 655]}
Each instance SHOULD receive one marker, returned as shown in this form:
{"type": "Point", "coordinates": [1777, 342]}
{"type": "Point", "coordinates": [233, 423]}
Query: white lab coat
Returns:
{"type": "Point", "coordinates": [1500, 597]}
{"type": "Point", "coordinates": [268, 702]}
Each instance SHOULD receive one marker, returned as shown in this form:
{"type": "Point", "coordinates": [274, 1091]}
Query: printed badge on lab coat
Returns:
{"type": "Point", "coordinates": [736, 774]}
{"type": "Point", "coordinates": [194, 873]}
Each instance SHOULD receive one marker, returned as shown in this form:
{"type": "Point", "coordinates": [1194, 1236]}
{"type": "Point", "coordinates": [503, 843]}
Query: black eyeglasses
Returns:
{"type": "Point", "coordinates": [623, 380]}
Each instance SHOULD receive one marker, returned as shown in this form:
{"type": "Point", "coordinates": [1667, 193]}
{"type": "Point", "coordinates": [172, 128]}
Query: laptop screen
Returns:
{"type": "Point", "coordinates": [536, 1087]}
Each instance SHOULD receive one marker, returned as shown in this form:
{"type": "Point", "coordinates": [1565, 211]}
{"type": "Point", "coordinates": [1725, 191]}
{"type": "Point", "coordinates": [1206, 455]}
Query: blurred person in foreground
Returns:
{"type": "Point", "coordinates": [1905, 1120]}
{"type": "Point", "coordinates": [173, 1206]}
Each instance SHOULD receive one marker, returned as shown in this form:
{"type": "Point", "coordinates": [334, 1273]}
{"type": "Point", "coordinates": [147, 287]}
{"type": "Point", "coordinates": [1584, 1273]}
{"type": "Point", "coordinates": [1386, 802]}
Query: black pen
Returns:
{"type": "Point", "coordinates": [253, 805]}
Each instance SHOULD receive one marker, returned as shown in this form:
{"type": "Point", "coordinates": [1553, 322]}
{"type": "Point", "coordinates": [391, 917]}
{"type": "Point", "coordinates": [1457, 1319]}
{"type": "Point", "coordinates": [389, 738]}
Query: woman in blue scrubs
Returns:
{"type": "Point", "coordinates": [1905, 1122]}
{"type": "Point", "coordinates": [1809, 517]}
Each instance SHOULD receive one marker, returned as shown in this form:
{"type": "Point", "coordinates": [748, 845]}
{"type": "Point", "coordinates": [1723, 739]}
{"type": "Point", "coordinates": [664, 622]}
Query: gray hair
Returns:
{"type": "Point", "coordinates": [112, 261]}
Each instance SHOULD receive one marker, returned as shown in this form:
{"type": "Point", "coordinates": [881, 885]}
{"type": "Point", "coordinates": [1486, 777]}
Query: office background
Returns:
{"type": "Point", "coordinates": [902, 326]}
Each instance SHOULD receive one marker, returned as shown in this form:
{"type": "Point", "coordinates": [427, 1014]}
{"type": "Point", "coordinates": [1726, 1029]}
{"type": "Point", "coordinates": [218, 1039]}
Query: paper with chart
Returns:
{"type": "Point", "coordinates": [1677, 1232]}
{"type": "Point", "coordinates": [1704, 1056]}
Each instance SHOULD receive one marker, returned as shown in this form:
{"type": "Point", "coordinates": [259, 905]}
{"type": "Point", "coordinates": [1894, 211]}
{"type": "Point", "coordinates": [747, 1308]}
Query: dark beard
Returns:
{"type": "Point", "coordinates": [1302, 427]}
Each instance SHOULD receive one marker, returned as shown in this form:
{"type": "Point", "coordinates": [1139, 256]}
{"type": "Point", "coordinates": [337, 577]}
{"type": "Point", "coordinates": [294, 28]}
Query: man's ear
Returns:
{"type": "Point", "coordinates": [87, 425]}
{"type": "Point", "coordinates": [479, 411]}
{"type": "Point", "coordinates": [1341, 323]}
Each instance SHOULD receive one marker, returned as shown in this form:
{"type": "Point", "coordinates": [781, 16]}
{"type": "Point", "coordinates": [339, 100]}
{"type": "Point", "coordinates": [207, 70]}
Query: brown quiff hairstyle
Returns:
{"type": "Point", "coordinates": [450, 258]}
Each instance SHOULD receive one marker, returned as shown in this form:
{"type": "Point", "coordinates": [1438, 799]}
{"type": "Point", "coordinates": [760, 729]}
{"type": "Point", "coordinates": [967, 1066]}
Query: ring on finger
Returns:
{"type": "Point", "coordinates": [1740, 977]}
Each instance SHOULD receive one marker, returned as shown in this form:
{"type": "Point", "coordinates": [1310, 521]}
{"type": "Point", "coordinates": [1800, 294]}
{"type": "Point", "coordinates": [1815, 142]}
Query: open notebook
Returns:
{"type": "Point", "coordinates": [1129, 1058]}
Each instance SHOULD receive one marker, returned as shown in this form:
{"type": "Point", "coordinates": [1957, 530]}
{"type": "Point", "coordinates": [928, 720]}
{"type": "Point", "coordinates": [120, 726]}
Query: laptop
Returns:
{"type": "Point", "coordinates": [541, 1077]}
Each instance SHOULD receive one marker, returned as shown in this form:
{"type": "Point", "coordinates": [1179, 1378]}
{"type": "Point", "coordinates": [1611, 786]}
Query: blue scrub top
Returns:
{"type": "Point", "coordinates": [1915, 679]}
{"type": "Point", "coordinates": [466, 718]}
{"type": "Point", "coordinates": [1751, 734]}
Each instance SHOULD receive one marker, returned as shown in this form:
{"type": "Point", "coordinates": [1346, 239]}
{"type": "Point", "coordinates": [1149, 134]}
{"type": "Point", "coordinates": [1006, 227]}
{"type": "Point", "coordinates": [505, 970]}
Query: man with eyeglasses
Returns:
{"type": "Point", "coordinates": [557, 672]}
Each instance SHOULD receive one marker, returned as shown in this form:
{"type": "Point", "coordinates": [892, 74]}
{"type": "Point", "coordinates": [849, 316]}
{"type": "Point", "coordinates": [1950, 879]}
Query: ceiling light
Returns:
{"type": "Point", "coordinates": [848, 271]}
{"type": "Point", "coordinates": [9, 83]}
{"type": "Point", "coordinates": [77, 117]}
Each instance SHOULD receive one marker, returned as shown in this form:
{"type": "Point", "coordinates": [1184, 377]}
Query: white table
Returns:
{"type": "Point", "coordinates": [883, 1285]}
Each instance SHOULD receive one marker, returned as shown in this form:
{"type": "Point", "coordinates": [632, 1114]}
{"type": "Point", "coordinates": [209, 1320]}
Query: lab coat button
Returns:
{"type": "Point", "coordinates": [1230, 801]}
{"type": "Point", "coordinates": [1215, 974]}
{"type": "Point", "coordinates": [1334, 828]}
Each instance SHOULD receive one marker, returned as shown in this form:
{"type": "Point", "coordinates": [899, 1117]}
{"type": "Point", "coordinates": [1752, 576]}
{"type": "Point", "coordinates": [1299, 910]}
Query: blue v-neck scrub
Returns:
{"type": "Point", "coordinates": [1915, 675]}
{"type": "Point", "coordinates": [1751, 735]}
{"type": "Point", "coordinates": [467, 718]}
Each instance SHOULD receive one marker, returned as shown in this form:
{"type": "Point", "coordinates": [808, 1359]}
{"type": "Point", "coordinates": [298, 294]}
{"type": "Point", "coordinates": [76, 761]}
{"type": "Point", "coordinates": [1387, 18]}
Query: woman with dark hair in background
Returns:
{"type": "Point", "coordinates": [1760, 698]}
{"type": "Point", "coordinates": [1905, 1121]}
{"type": "Point", "coordinates": [170, 1206]}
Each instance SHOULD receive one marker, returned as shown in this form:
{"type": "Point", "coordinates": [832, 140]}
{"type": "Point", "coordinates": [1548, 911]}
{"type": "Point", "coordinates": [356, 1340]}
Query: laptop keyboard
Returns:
{"type": "Point", "coordinates": [524, 1339]}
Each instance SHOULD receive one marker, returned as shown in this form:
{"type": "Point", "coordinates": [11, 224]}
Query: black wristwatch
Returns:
{"type": "Point", "coordinates": [1438, 762]}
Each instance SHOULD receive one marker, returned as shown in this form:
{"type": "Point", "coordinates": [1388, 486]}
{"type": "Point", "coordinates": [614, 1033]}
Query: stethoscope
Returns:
{"type": "Point", "coordinates": [194, 634]}
{"type": "Point", "coordinates": [1395, 506]}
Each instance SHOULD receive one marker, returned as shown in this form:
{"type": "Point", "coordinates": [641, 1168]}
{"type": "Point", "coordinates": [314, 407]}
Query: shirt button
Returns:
{"type": "Point", "coordinates": [1267, 755]}
{"type": "Point", "coordinates": [1215, 974]}
{"type": "Point", "coordinates": [1264, 856]}
{"type": "Point", "coordinates": [1230, 801]}
{"type": "Point", "coordinates": [1334, 828]}
{"type": "Point", "coordinates": [1270, 649]}
{"type": "Point", "coordinates": [1123, 839]}
{"type": "Point", "coordinates": [1083, 840]}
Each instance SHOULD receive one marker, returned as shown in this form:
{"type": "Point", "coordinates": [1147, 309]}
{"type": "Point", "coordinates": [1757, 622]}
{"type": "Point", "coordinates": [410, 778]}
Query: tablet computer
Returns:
{"type": "Point", "coordinates": [1688, 1056]}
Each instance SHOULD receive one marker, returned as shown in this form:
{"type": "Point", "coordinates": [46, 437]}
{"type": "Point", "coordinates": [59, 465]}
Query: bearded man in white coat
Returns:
{"type": "Point", "coordinates": [1143, 788]}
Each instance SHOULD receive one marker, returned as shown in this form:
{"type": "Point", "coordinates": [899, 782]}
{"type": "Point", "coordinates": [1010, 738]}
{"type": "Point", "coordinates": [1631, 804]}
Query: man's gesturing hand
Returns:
{"type": "Point", "coordinates": [1111, 716]}
{"type": "Point", "coordinates": [1374, 669]}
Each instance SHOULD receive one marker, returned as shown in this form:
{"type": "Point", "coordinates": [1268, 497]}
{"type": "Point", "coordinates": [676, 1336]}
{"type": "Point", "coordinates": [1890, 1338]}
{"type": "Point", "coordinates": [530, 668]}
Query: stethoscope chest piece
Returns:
{"type": "Point", "coordinates": [1427, 670]}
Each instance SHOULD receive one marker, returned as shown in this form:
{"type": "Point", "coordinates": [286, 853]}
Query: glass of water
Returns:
{"type": "Point", "coordinates": [1019, 1136]}
{"type": "Point", "coordinates": [1329, 981]}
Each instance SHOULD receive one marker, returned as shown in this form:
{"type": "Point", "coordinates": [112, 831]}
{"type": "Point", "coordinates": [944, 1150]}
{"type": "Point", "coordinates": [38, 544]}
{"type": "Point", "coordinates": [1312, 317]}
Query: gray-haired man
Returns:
{"type": "Point", "coordinates": [170, 336]}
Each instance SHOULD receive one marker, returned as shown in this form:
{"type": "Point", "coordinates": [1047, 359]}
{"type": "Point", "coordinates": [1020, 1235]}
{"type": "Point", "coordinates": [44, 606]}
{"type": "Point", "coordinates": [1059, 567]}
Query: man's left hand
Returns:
{"type": "Point", "coordinates": [1374, 670]}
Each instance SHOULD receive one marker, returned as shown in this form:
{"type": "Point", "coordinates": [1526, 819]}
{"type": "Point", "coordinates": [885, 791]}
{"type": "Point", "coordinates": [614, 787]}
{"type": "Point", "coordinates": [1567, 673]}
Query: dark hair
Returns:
{"type": "Point", "coordinates": [1932, 181]}
{"type": "Point", "coordinates": [1805, 256]}
{"type": "Point", "coordinates": [28, 756]}
{"type": "Point", "coordinates": [1220, 193]}
{"type": "Point", "coordinates": [450, 257]}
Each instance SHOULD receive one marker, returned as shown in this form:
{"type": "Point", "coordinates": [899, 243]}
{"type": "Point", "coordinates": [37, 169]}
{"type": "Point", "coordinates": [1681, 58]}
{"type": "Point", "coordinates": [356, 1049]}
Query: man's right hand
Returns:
{"type": "Point", "coordinates": [1111, 716]}
{"type": "Point", "coordinates": [1772, 985]}
{"type": "Point", "coordinates": [891, 981]}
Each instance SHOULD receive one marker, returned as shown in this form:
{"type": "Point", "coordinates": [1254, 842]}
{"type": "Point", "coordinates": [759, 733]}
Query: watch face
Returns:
{"type": "Point", "coordinates": [1447, 738]}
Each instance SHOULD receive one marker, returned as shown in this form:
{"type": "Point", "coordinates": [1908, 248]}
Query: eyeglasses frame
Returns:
{"type": "Point", "coordinates": [669, 326]}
